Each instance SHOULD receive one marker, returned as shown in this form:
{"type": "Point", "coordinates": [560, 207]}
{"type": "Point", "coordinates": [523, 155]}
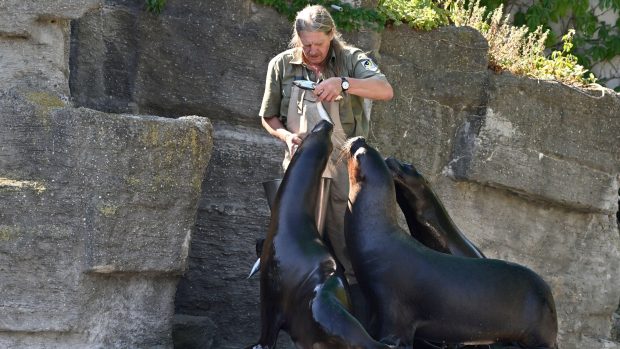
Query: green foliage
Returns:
{"type": "Point", "coordinates": [517, 49]}
{"type": "Point", "coordinates": [419, 14]}
{"type": "Point", "coordinates": [564, 66]}
{"type": "Point", "coordinates": [155, 6]}
{"type": "Point", "coordinates": [347, 18]}
{"type": "Point", "coordinates": [514, 48]}
{"type": "Point", "coordinates": [594, 41]}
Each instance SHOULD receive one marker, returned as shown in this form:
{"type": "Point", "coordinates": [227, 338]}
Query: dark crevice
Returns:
{"type": "Point", "coordinates": [618, 213]}
{"type": "Point", "coordinates": [615, 325]}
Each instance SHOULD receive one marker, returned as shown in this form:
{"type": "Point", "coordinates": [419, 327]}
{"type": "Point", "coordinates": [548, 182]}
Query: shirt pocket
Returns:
{"type": "Point", "coordinates": [286, 98]}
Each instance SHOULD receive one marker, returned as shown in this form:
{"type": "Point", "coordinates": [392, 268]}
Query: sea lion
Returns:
{"type": "Point", "coordinates": [418, 293]}
{"type": "Point", "coordinates": [429, 223]}
{"type": "Point", "coordinates": [427, 219]}
{"type": "Point", "coordinates": [300, 290]}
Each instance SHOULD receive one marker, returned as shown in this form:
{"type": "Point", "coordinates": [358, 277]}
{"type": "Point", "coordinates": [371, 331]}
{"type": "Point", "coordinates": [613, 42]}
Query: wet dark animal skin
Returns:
{"type": "Point", "coordinates": [300, 290]}
{"type": "Point", "coordinates": [418, 293]}
{"type": "Point", "coordinates": [427, 218]}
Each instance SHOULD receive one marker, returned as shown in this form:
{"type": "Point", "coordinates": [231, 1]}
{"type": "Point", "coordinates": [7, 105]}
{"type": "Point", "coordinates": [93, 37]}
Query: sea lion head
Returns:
{"type": "Point", "coordinates": [365, 164]}
{"type": "Point", "coordinates": [406, 174]}
{"type": "Point", "coordinates": [314, 150]}
{"type": "Point", "coordinates": [321, 134]}
{"type": "Point", "coordinates": [324, 127]}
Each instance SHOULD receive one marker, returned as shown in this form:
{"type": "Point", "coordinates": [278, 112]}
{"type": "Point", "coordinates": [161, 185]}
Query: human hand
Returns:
{"type": "Point", "coordinates": [292, 142]}
{"type": "Point", "coordinates": [329, 90]}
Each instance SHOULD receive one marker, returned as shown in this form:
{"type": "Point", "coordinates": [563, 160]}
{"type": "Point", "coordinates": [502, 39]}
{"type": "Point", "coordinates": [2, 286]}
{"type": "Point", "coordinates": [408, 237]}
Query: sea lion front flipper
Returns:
{"type": "Point", "coordinates": [255, 268]}
{"type": "Point", "coordinates": [267, 340]}
{"type": "Point", "coordinates": [329, 309]}
{"type": "Point", "coordinates": [271, 323]}
{"type": "Point", "coordinates": [259, 250]}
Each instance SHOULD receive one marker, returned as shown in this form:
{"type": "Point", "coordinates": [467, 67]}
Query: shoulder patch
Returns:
{"type": "Point", "coordinates": [370, 65]}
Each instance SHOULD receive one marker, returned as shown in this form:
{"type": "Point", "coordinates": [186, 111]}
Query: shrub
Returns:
{"type": "Point", "coordinates": [155, 6]}
{"type": "Point", "coordinates": [518, 50]}
{"type": "Point", "coordinates": [418, 14]}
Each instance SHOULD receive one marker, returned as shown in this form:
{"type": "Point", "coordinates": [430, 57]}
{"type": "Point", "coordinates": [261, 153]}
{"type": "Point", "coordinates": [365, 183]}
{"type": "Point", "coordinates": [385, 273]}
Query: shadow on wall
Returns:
{"type": "Point", "coordinates": [615, 327]}
{"type": "Point", "coordinates": [615, 330]}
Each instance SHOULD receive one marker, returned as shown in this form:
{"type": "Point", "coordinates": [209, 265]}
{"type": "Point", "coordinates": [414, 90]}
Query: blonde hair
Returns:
{"type": "Point", "coordinates": [316, 18]}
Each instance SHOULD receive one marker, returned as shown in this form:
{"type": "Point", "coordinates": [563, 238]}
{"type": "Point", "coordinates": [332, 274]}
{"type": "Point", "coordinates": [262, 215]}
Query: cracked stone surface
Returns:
{"type": "Point", "coordinates": [528, 169]}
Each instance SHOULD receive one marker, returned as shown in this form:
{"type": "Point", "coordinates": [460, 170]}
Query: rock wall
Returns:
{"type": "Point", "coordinates": [530, 178]}
{"type": "Point", "coordinates": [96, 209]}
{"type": "Point", "coordinates": [529, 169]}
{"type": "Point", "coordinates": [174, 63]}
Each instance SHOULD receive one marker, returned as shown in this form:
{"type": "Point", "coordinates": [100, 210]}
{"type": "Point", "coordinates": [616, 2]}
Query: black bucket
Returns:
{"type": "Point", "coordinates": [271, 189]}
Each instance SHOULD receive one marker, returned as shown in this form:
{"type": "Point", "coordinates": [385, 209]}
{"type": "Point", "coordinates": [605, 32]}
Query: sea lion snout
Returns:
{"type": "Point", "coordinates": [323, 126]}
{"type": "Point", "coordinates": [396, 168]}
{"type": "Point", "coordinates": [317, 140]}
{"type": "Point", "coordinates": [405, 173]}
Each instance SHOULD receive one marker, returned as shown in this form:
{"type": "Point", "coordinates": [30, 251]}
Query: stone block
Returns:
{"type": "Point", "coordinates": [34, 43]}
{"type": "Point", "coordinates": [544, 149]}
{"type": "Point", "coordinates": [410, 61]}
{"type": "Point", "coordinates": [215, 77]}
{"type": "Point", "coordinates": [233, 213]}
{"type": "Point", "coordinates": [17, 16]}
{"type": "Point", "coordinates": [414, 130]}
{"type": "Point", "coordinates": [38, 61]}
{"type": "Point", "coordinates": [96, 211]}
{"type": "Point", "coordinates": [128, 311]}
{"type": "Point", "coordinates": [577, 253]}
{"type": "Point", "coordinates": [463, 49]}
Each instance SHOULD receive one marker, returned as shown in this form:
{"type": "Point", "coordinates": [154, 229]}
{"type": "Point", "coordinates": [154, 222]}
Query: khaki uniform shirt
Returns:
{"type": "Point", "coordinates": [289, 66]}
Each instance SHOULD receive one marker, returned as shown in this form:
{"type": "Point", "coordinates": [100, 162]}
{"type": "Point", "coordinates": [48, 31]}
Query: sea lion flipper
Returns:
{"type": "Point", "coordinates": [259, 250]}
{"type": "Point", "coordinates": [329, 309]}
{"type": "Point", "coordinates": [255, 268]}
{"type": "Point", "coordinates": [268, 339]}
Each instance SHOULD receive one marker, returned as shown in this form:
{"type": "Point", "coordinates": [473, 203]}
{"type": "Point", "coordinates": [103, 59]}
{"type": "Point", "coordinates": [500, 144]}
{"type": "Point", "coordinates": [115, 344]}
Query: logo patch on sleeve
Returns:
{"type": "Point", "coordinates": [370, 65]}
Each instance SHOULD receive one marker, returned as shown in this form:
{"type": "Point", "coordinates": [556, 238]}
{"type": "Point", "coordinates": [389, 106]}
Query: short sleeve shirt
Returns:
{"type": "Point", "coordinates": [288, 66]}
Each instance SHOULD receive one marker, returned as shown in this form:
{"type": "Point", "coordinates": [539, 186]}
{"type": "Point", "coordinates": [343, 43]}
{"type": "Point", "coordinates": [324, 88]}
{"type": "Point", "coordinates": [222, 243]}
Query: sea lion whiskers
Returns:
{"type": "Point", "coordinates": [339, 138]}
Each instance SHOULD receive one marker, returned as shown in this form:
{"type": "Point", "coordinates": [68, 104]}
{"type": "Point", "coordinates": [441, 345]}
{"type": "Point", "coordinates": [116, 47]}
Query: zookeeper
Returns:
{"type": "Point", "coordinates": [345, 76]}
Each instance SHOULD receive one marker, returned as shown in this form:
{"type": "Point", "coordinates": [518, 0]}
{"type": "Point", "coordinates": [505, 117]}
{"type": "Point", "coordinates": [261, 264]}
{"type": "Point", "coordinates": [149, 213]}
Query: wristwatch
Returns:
{"type": "Point", "coordinates": [345, 84]}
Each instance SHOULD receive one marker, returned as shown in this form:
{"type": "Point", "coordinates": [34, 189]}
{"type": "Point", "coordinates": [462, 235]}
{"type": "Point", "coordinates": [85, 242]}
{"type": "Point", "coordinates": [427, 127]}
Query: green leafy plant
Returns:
{"type": "Point", "coordinates": [564, 66]}
{"type": "Point", "coordinates": [513, 48]}
{"type": "Point", "coordinates": [518, 50]}
{"type": "Point", "coordinates": [347, 18]}
{"type": "Point", "coordinates": [595, 42]}
{"type": "Point", "coordinates": [418, 14]}
{"type": "Point", "coordinates": [155, 6]}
